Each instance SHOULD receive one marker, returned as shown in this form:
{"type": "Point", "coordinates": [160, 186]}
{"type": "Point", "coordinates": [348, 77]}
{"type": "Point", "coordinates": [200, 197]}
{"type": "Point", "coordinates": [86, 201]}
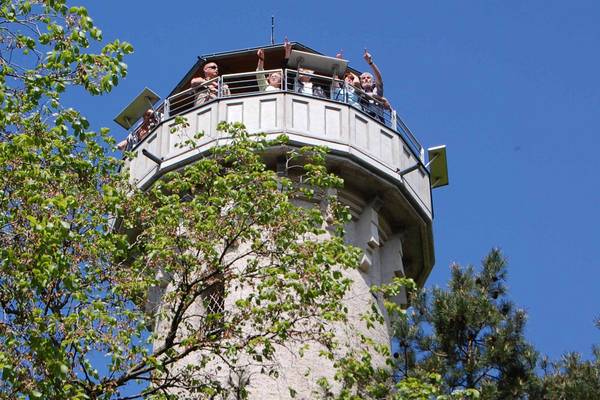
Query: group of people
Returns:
{"type": "Point", "coordinates": [364, 92]}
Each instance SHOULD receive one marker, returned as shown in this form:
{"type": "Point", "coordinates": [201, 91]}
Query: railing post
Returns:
{"type": "Point", "coordinates": [220, 87]}
{"type": "Point", "coordinates": [394, 120]}
{"type": "Point", "coordinates": [345, 92]}
{"type": "Point", "coordinates": [166, 109]}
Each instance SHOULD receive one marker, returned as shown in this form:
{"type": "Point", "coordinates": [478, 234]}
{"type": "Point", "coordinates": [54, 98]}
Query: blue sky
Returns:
{"type": "Point", "coordinates": [512, 88]}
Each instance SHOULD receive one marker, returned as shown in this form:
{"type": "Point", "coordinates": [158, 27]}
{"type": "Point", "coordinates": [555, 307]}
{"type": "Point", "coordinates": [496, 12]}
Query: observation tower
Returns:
{"type": "Point", "coordinates": [388, 175]}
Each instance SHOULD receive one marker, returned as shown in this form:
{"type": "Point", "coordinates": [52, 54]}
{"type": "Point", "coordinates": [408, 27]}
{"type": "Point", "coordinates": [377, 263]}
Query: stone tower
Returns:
{"type": "Point", "coordinates": [387, 183]}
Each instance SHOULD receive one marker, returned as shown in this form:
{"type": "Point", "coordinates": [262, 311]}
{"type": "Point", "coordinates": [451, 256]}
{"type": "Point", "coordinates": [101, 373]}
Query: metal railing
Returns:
{"type": "Point", "coordinates": [301, 82]}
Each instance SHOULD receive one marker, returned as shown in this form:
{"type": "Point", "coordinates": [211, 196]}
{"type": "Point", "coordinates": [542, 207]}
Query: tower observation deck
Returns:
{"type": "Point", "coordinates": [387, 179]}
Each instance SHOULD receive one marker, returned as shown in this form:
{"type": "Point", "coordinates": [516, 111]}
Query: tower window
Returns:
{"type": "Point", "coordinates": [213, 299]}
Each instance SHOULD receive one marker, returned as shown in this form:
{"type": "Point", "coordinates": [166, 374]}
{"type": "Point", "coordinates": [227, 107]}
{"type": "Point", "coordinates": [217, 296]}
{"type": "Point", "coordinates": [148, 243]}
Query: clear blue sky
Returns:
{"type": "Point", "coordinates": [512, 88]}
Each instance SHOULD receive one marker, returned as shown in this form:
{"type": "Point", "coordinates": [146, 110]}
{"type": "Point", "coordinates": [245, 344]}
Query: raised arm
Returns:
{"type": "Point", "coordinates": [336, 78]}
{"type": "Point", "coordinates": [378, 80]}
{"type": "Point", "coordinates": [260, 66]}
{"type": "Point", "coordinates": [288, 50]}
{"type": "Point", "coordinates": [287, 47]}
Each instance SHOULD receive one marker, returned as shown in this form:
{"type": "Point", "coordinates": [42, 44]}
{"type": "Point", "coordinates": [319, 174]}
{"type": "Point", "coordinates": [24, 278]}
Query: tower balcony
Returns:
{"type": "Point", "coordinates": [380, 141]}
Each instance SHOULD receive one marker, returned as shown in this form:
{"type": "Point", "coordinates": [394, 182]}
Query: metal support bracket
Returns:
{"type": "Point", "coordinates": [152, 157]}
{"type": "Point", "coordinates": [408, 170]}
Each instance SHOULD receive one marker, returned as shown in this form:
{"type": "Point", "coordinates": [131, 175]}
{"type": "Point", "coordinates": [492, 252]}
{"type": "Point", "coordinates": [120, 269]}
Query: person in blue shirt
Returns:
{"type": "Point", "coordinates": [346, 93]}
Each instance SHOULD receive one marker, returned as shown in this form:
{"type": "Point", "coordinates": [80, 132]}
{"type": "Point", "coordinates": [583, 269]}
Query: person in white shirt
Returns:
{"type": "Point", "coordinates": [270, 83]}
{"type": "Point", "coordinates": [274, 80]}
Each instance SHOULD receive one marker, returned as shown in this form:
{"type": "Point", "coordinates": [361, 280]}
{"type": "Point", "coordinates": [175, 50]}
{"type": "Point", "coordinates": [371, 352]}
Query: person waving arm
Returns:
{"type": "Point", "coordinates": [378, 79]}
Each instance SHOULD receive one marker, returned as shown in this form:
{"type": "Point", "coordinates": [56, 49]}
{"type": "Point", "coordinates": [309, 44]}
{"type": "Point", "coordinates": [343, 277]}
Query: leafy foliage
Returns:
{"type": "Point", "coordinates": [57, 187]}
{"type": "Point", "coordinates": [470, 334]}
{"type": "Point", "coordinates": [429, 387]}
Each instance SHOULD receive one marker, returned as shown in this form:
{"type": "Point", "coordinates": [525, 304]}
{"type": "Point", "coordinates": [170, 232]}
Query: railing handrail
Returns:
{"type": "Point", "coordinates": [329, 78]}
{"type": "Point", "coordinates": [252, 73]}
{"type": "Point", "coordinates": [194, 88]}
{"type": "Point", "coordinates": [411, 136]}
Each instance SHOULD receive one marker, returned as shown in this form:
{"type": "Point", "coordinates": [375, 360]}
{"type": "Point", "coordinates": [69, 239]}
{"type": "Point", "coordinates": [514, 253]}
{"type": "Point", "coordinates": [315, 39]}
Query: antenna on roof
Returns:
{"type": "Point", "coordinates": [272, 29]}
